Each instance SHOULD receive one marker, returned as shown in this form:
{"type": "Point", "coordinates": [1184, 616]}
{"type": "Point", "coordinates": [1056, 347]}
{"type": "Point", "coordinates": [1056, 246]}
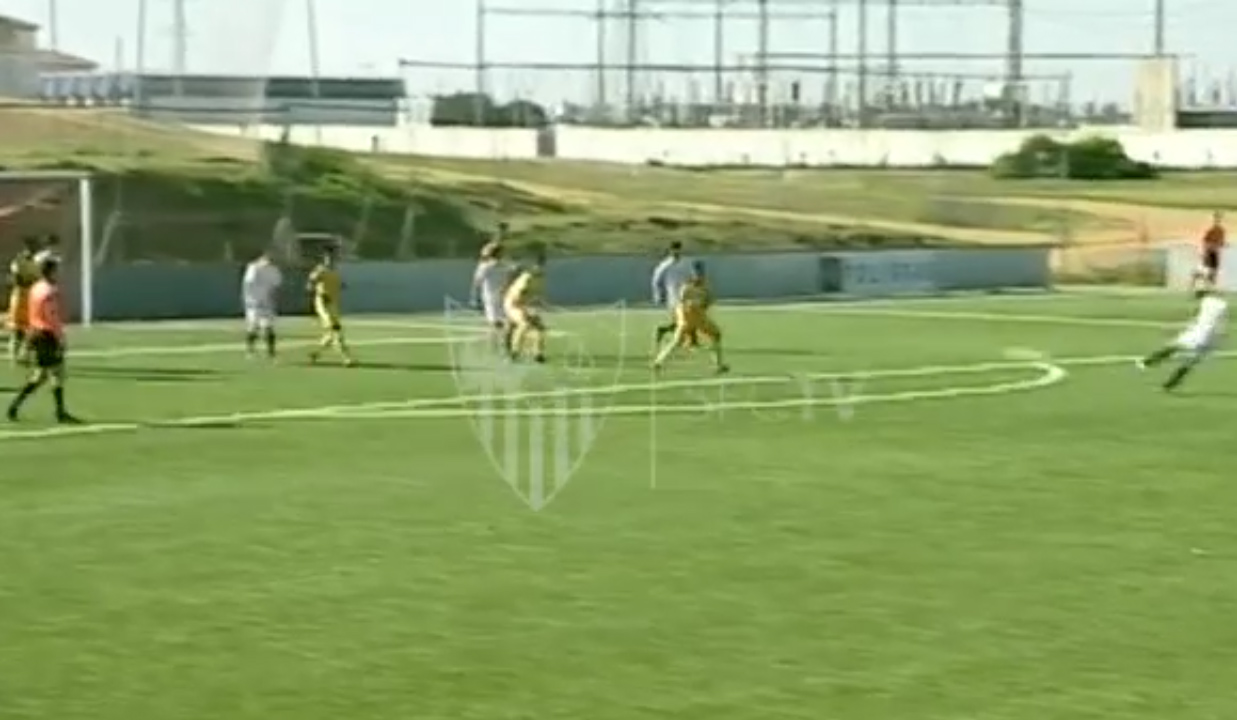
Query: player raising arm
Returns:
{"type": "Point", "coordinates": [669, 278]}
{"type": "Point", "coordinates": [23, 274]}
{"type": "Point", "coordinates": [1196, 341]}
{"type": "Point", "coordinates": [46, 339]}
{"type": "Point", "coordinates": [488, 283]}
{"type": "Point", "coordinates": [260, 295]}
{"type": "Point", "coordinates": [692, 319]}
{"type": "Point", "coordinates": [326, 286]}
{"type": "Point", "coordinates": [523, 303]}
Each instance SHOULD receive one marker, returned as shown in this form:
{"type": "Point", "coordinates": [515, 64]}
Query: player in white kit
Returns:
{"type": "Point", "coordinates": [260, 296]}
{"type": "Point", "coordinates": [669, 278]}
{"type": "Point", "coordinates": [488, 284]}
{"type": "Point", "coordinates": [1196, 341]}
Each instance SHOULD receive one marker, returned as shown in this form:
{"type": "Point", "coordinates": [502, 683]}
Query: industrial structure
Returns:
{"type": "Point", "coordinates": [842, 81]}
{"type": "Point", "coordinates": [23, 61]}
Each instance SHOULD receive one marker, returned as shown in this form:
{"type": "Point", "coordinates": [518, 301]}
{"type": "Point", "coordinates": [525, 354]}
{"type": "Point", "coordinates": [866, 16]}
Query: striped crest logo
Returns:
{"type": "Point", "coordinates": [537, 423]}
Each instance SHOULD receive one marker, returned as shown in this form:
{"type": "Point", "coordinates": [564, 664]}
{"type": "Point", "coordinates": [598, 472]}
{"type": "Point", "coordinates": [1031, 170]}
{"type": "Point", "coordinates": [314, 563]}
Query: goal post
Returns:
{"type": "Point", "coordinates": [54, 204]}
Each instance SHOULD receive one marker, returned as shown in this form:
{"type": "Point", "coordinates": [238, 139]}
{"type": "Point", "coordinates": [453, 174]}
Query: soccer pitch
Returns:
{"type": "Point", "coordinates": [937, 509]}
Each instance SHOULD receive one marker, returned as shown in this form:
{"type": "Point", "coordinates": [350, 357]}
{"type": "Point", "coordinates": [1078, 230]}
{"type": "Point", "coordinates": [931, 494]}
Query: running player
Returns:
{"type": "Point", "coordinates": [692, 319]}
{"type": "Point", "coordinates": [260, 296]}
{"type": "Point", "coordinates": [46, 324]}
{"type": "Point", "coordinates": [669, 278]}
{"type": "Point", "coordinates": [23, 274]}
{"type": "Point", "coordinates": [1197, 341]}
{"type": "Point", "coordinates": [326, 285]}
{"type": "Point", "coordinates": [523, 302]}
{"type": "Point", "coordinates": [488, 283]}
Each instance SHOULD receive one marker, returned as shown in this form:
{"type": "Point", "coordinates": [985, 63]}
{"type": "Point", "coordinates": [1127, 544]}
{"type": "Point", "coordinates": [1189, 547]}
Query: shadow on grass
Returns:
{"type": "Point", "coordinates": [367, 365]}
{"type": "Point", "coordinates": [143, 374]}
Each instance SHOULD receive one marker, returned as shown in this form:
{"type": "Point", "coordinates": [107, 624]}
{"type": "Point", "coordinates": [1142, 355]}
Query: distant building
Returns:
{"type": "Point", "coordinates": [22, 61]}
{"type": "Point", "coordinates": [236, 100]}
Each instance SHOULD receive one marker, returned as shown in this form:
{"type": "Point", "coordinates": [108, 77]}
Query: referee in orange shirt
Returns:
{"type": "Point", "coordinates": [1214, 241]}
{"type": "Point", "coordinates": [46, 341]}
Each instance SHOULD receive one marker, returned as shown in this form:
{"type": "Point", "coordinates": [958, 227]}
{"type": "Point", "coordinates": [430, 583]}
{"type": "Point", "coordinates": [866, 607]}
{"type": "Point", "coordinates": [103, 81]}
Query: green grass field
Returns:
{"type": "Point", "coordinates": [970, 537]}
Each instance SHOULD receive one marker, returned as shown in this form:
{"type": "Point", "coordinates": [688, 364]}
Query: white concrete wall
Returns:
{"type": "Point", "coordinates": [403, 140]}
{"type": "Point", "coordinates": [1182, 261]}
{"type": "Point", "coordinates": [1191, 149]}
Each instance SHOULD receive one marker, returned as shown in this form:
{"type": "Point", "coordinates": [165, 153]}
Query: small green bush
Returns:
{"type": "Point", "coordinates": [1094, 158]}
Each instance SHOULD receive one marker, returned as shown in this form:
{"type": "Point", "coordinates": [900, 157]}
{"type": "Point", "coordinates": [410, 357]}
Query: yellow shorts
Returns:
{"type": "Point", "coordinates": [18, 318]}
{"type": "Point", "coordinates": [689, 323]}
{"type": "Point", "coordinates": [328, 315]}
{"type": "Point", "coordinates": [522, 316]}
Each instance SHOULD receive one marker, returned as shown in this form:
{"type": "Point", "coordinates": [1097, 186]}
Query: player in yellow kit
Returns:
{"type": "Point", "coordinates": [692, 319]}
{"type": "Point", "coordinates": [522, 303]}
{"type": "Point", "coordinates": [23, 274]}
{"type": "Point", "coordinates": [326, 285]}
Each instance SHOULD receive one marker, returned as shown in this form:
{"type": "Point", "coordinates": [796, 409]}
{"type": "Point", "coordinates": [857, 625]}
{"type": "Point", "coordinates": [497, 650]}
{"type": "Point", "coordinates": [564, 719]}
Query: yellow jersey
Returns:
{"type": "Point", "coordinates": [695, 295]}
{"type": "Point", "coordinates": [23, 273]}
{"type": "Point", "coordinates": [528, 288]}
{"type": "Point", "coordinates": [326, 285]}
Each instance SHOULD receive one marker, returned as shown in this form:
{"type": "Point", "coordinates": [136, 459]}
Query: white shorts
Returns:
{"type": "Point", "coordinates": [259, 318]}
{"type": "Point", "coordinates": [1195, 343]}
{"type": "Point", "coordinates": [495, 314]}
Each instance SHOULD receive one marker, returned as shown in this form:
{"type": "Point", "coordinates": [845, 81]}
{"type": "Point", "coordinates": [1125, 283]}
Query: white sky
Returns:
{"type": "Point", "coordinates": [366, 37]}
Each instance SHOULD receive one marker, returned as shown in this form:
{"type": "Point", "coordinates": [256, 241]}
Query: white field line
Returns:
{"type": "Point", "coordinates": [460, 406]}
{"type": "Point", "coordinates": [1052, 372]}
{"type": "Point", "coordinates": [427, 321]}
{"type": "Point", "coordinates": [236, 347]}
{"type": "Point", "coordinates": [233, 326]}
{"type": "Point", "coordinates": [997, 317]}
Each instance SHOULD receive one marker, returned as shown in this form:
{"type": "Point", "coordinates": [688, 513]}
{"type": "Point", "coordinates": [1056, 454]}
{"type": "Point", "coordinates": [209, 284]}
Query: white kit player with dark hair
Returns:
{"type": "Point", "coordinates": [260, 296]}
{"type": "Point", "coordinates": [489, 281]}
{"type": "Point", "coordinates": [669, 278]}
{"type": "Point", "coordinates": [1197, 341]}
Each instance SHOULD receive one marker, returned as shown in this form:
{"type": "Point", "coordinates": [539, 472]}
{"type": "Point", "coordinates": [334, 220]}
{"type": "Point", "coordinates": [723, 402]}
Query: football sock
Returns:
{"type": "Point", "coordinates": [251, 340]}
{"type": "Point", "coordinates": [22, 395]}
{"type": "Point", "coordinates": [270, 343]}
{"type": "Point", "coordinates": [1158, 356]}
{"type": "Point", "coordinates": [517, 341]}
{"type": "Point", "coordinates": [1178, 376]}
{"type": "Point", "coordinates": [665, 353]}
{"type": "Point", "coordinates": [58, 394]}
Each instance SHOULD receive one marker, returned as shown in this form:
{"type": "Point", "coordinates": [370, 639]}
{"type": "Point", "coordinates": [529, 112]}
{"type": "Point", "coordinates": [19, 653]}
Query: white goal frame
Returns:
{"type": "Point", "coordinates": [84, 181]}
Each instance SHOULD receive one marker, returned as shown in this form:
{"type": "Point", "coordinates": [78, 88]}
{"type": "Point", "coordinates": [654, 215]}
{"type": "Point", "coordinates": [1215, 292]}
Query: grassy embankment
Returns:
{"type": "Point", "coordinates": [207, 192]}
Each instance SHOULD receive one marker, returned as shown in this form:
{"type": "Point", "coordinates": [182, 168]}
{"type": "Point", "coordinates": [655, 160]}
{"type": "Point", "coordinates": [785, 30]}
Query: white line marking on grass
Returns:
{"type": "Point", "coordinates": [461, 406]}
{"type": "Point", "coordinates": [1049, 375]}
{"type": "Point", "coordinates": [212, 348]}
{"type": "Point", "coordinates": [997, 317]}
{"type": "Point", "coordinates": [220, 325]}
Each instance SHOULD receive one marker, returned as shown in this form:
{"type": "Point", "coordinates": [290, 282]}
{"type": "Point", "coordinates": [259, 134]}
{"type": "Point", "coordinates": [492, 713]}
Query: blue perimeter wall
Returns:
{"type": "Point", "coordinates": [158, 291]}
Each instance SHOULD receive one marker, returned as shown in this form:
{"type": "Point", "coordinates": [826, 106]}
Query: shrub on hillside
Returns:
{"type": "Point", "coordinates": [479, 110]}
{"type": "Point", "coordinates": [1094, 158]}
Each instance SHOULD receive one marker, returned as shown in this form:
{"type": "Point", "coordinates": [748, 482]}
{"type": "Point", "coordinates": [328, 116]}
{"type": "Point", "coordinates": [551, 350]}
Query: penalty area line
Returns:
{"type": "Point", "coordinates": [461, 406]}
{"type": "Point", "coordinates": [235, 347]}
{"type": "Point", "coordinates": [1051, 372]}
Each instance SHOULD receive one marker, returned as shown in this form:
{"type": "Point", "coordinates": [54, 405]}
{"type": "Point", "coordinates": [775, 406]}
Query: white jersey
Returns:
{"type": "Point", "coordinates": [260, 286]}
{"type": "Point", "coordinates": [489, 281]}
{"type": "Point", "coordinates": [1207, 327]}
{"type": "Point", "coordinates": [669, 279]}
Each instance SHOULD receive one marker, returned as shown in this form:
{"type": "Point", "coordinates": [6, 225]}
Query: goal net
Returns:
{"type": "Point", "coordinates": [55, 211]}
